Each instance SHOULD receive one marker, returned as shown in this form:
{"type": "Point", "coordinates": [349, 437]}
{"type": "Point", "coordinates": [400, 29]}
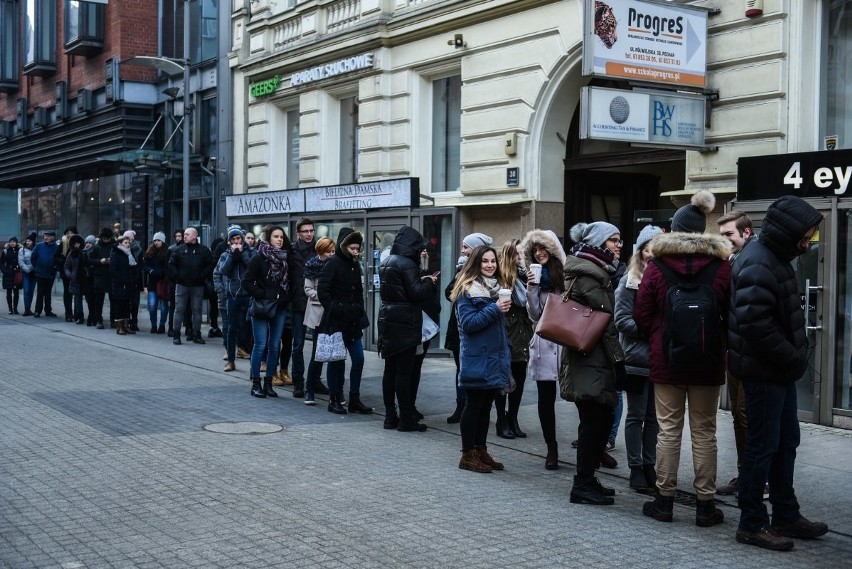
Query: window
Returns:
{"type": "Point", "coordinates": [84, 28]}
{"type": "Point", "coordinates": [8, 46]}
{"type": "Point", "coordinates": [40, 37]}
{"type": "Point", "coordinates": [203, 29]}
{"type": "Point", "coordinates": [446, 134]}
{"type": "Point", "coordinates": [838, 73]}
{"type": "Point", "coordinates": [292, 149]}
{"type": "Point", "coordinates": [348, 140]}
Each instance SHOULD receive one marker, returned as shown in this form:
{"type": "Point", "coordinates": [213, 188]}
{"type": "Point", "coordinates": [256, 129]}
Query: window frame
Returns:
{"type": "Point", "coordinates": [43, 46]}
{"type": "Point", "coordinates": [90, 17]}
{"type": "Point", "coordinates": [441, 158]}
{"type": "Point", "coordinates": [9, 36]}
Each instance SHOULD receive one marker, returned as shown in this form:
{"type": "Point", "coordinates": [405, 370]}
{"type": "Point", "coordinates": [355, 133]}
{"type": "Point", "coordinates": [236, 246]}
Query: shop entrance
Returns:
{"type": "Point", "coordinates": [819, 297]}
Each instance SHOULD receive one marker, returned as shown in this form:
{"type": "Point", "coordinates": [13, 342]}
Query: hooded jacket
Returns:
{"type": "Point", "coordinates": [485, 359]}
{"type": "Point", "coordinates": [766, 336]}
{"type": "Point", "coordinates": [545, 356]}
{"type": "Point", "coordinates": [403, 294]}
{"type": "Point", "coordinates": [229, 272]}
{"type": "Point", "coordinates": [340, 290]}
{"type": "Point", "coordinates": [684, 254]}
{"type": "Point", "coordinates": [101, 279]}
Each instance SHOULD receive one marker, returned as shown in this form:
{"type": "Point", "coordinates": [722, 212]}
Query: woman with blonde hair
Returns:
{"type": "Point", "coordinates": [641, 427]}
{"type": "Point", "coordinates": [313, 310]}
{"type": "Point", "coordinates": [485, 361]}
{"type": "Point", "coordinates": [513, 276]}
{"type": "Point", "coordinates": [543, 247]}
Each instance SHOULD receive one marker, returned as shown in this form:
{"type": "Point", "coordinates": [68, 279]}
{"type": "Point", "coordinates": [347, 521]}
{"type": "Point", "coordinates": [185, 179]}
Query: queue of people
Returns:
{"type": "Point", "coordinates": [269, 292]}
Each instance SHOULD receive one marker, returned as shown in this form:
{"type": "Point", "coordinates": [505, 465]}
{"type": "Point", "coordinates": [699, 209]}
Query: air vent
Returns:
{"type": "Point", "coordinates": [84, 101]}
{"type": "Point", "coordinates": [39, 117]}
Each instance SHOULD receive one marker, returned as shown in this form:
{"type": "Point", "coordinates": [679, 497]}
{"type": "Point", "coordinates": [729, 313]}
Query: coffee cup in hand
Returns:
{"type": "Point", "coordinates": [504, 294]}
{"type": "Point", "coordinates": [535, 269]}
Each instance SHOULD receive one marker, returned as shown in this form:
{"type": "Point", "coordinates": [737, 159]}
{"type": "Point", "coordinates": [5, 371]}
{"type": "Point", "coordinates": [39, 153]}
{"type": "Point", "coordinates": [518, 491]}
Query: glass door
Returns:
{"type": "Point", "coordinates": [378, 241]}
{"type": "Point", "coordinates": [813, 276]}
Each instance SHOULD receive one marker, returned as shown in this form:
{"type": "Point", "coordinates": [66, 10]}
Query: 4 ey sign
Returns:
{"type": "Point", "coordinates": [826, 177]}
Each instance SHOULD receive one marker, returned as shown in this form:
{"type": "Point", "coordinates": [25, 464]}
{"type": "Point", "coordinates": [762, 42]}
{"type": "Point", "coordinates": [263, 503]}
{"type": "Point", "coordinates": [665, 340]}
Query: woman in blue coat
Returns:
{"type": "Point", "coordinates": [485, 360]}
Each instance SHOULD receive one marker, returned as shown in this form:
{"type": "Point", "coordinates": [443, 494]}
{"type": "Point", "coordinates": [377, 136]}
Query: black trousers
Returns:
{"type": "Point", "coordinates": [476, 417]}
{"type": "Point", "coordinates": [397, 382]}
{"type": "Point", "coordinates": [547, 409]}
{"type": "Point", "coordinates": [43, 291]}
{"type": "Point", "coordinates": [593, 433]}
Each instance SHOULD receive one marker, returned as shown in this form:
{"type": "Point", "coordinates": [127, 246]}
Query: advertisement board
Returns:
{"type": "Point", "coordinates": [645, 41]}
{"type": "Point", "coordinates": [645, 116]}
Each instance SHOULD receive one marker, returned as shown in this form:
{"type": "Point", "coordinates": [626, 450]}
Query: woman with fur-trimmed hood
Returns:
{"type": "Point", "coordinates": [542, 246]}
{"type": "Point", "coordinates": [685, 251]}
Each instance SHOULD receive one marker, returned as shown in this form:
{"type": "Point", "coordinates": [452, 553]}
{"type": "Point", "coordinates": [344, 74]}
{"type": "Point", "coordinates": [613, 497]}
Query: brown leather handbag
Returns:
{"type": "Point", "coordinates": [571, 324]}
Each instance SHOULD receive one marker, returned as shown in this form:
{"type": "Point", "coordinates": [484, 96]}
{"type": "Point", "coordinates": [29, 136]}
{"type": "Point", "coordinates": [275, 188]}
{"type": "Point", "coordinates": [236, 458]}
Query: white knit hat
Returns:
{"type": "Point", "coordinates": [159, 236]}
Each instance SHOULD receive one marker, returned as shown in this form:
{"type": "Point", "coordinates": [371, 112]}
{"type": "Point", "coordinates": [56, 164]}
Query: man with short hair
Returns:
{"type": "Point", "coordinates": [737, 228]}
{"type": "Point", "coordinates": [188, 266]}
{"type": "Point", "coordinates": [251, 240]}
{"type": "Point", "coordinates": [98, 261]}
{"type": "Point", "coordinates": [172, 247]}
{"type": "Point", "coordinates": [303, 250]}
{"type": "Point", "coordinates": [768, 351]}
{"type": "Point", "coordinates": [44, 266]}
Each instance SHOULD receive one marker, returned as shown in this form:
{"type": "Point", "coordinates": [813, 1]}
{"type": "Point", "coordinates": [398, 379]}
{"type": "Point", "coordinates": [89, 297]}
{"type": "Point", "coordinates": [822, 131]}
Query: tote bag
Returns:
{"type": "Point", "coordinates": [572, 324]}
{"type": "Point", "coordinates": [330, 347]}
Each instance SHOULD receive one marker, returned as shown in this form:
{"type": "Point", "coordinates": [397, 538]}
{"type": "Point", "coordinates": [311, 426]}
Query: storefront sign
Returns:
{"type": "Point", "coordinates": [266, 203]}
{"type": "Point", "coordinates": [403, 192]}
{"type": "Point", "coordinates": [339, 67]}
{"type": "Point", "coordinates": [264, 88]}
{"type": "Point", "coordinates": [653, 117]}
{"type": "Point", "coordinates": [805, 174]}
{"type": "Point", "coordinates": [645, 41]}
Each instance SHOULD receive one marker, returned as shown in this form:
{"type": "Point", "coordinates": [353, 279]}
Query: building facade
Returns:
{"type": "Point", "coordinates": [91, 139]}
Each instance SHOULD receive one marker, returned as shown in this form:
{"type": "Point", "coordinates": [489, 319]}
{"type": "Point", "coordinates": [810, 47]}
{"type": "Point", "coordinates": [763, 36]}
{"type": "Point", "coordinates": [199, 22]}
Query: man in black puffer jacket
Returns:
{"type": "Point", "coordinates": [767, 350]}
{"type": "Point", "coordinates": [188, 267]}
{"type": "Point", "coordinates": [403, 293]}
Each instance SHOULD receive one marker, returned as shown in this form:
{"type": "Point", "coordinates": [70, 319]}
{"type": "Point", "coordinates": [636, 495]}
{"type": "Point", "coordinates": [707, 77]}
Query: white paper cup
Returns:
{"type": "Point", "coordinates": [504, 294]}
{"type": "Point", "coordinates": [535, 269]}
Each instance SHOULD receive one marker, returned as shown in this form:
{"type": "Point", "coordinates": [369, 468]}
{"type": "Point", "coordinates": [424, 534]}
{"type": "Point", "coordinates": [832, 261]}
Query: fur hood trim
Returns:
{"type": "Point", "coordinates": [478, 290]}
{"type": "Point", "coordinates": [677, 243]}
{"type": "Point", "coordinates": [545, 238]}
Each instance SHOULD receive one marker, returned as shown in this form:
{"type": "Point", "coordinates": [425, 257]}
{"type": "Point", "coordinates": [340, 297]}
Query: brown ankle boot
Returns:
{"type": "Point", "coordinates": [486, 458]}
{"type": "Point", "coordinates": [120, 327]}
{"type": "Point", "coordinates": [470, 461]}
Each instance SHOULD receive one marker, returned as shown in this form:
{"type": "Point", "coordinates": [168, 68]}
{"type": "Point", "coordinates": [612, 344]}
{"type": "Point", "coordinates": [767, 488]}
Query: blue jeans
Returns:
{"type": "Point", "coordinates": [267, 333]}
{"type": "Point", "coordinates": [337, 370]}
{"type": "Point", "coordinates": [232, 318]}
{"type": "Point", "coordinates": [298, 362]}
{"type": "Point", "coordinates": [29, 284]}
{"type": "Point", "coordinates": [154, 303]}
{"type": "Point", "coordinates": [619, 411]}
{"type": "Point", "coordinates": [770, 455]}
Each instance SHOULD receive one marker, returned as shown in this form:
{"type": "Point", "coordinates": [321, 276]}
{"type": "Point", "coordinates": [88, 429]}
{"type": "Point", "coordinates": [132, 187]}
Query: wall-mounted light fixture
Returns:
{"type": "Point", "coordinates": [457, 41]}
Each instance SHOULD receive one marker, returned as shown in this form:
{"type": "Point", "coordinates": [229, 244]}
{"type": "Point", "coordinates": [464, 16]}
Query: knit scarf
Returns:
{"type": "Point", "coordinates": [604, 258]}
{"type": "Point", "coordinates": [313, 266]}
{"type": "Point", "coordinates": [126, 251]}
{"type": "Point", "coordinates": [519, 293]}
{"type": "Point", "coordinates": [277, 259]}
{"type": "Point", "coordinates": [483, 287]}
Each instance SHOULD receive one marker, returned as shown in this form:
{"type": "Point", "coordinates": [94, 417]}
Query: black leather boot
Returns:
{"type": "Point", "coordinates": [456, 416]}
{"type": "Point", "coordinates": [503, 430]}
{"type": "Point", "coordinates": [256, 389]}
{"type": "Point", "coordinates": [707, 514]}
{"type": "Point", "coordinates": [638, 481]}
{"type": "Point", "coordinates": [355, 405]}
{"type": "Point", "coordinates": [660, 509]}
{"type": "Point", "coordinates": [516, 429]}
{"type": "Point", "coordinates": [391, 419]}
{"type": "Point", "coordinates": [552, 460]}
{"type": "Point", "coordinates": [298, 389]}
{"type": "Point", "coordinates": [584, 492]}
{"type": "Point", "coordinates": [334, 405]}
{"type": "Point", "coordinates": [267, 387]}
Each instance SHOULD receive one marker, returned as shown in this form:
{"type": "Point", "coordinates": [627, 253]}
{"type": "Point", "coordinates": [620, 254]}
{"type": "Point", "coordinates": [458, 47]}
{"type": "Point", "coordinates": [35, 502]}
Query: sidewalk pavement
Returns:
{"type": "Point", "coordinates": [104, 463]}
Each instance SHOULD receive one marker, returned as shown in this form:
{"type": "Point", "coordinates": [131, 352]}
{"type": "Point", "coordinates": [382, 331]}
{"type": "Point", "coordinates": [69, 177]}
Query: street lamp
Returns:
{"type": "Point", "coordinates": [172, 67]}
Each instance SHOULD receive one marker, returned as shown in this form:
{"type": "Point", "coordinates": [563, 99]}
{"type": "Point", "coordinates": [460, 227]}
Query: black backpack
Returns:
{"type": "Point", "coordinates": [692, 339]}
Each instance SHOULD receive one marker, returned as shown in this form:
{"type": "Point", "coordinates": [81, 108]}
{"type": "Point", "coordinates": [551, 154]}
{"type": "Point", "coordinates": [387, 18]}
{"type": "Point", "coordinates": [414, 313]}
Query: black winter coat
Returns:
{"type": "Point", "coordinates": [125, 277]}
{"type": "Point", "coordinates": [340, 290]}
{"type": "Point", "coordinates": [260, 285]}
{"type": "Point", "coordinates": [189, 265]}
{"type": "Point", "coordinates": [301, 253]}
{"type": "Point", "coordinates": [101, 278]}
{"type": "Point", "coordinates": [9, 266]}
{"type": "Point", "coordinates": [403, 294]}
{"type": "Point", "coordinates": [452, 341]}
{"type": "Point", "coordinates": [766, 324]}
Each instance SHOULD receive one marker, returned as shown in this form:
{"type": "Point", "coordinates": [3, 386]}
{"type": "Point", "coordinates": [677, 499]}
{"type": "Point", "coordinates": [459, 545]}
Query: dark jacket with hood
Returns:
{"type": "Point", "coordinates": [341, 290]}
{"type": "Point", "coordinates": [75, 266]}
{"type": "Point", "coordinates": [684, 254]}
{"type": "Point", "coordinates": [190, 264]}
{"type": "Point", "coordinates": [766, 336]}
{"type": "Point", "coordinates": [301, 253]}
{"type": "Point", "coordinates": [101, 278]}
{"type": "Point", "coordinates": [9, 265]}
{"type": "Point", "coordinates": [403, 294]}
{"type": "Point", "coordinates": [125, 277]}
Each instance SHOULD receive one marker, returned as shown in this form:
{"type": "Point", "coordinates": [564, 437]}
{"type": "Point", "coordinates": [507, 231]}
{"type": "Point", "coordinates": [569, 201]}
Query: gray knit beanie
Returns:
{"type": "Point", "coordinates": [595, 234]}
{"type": "Point", "coordinates": [648, 232]}
{"type": "Point", "coordinates": [475, 240]}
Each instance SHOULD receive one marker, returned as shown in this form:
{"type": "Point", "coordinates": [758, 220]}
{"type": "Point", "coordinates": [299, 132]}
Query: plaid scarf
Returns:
{"type": "Point", "coordinates": [602, 257]}
{"type": "Point", "coordinates": [277, 263]}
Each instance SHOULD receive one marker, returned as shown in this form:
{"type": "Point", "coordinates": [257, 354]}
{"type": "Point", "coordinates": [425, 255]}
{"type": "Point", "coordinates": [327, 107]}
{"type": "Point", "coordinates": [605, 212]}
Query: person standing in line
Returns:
{"type": "Point", "coordinates": [74, 272]}
{"type": "Point", "coordinates": [269, 277]}
{"type": "Point", "coordinates": [187, 317]}
{"type": "Point", "coordinates": [156, 266]}
{"type": "Point", "coordinates": [228, 280]}
{"type": "Point", "coordinates": [85, 277]}
{"type": "Point", "coordinates": [736, 227]}
{"type": "Point", "coordinates": [341, 292]}
{"type": "Point", "coordinates": [768, 352]}
{"type": "Point", "coordinates": [451, 342]}
{"type": "Point", "coordinates": [304, 249]}
{"type": "Point", "coordinates": [9, 266]}
{"type": "Point", "coordinates": [61, 256]}
{"type": "Point", "coordinates": [685, 253]}
{"type": "Point", "coordinates": [485, 355]}
{"type": "Point", "coordinates": [589, 380]}
{"type": "Point", "coordinates": [28, 280]}
{"type": "Point", "coordinates": [640, 428]}
{"type": "Point", "coordinates": [136, 251]}
{"type": "Point", "coordinates": [125, 273]}
{"type": "Point", "coordinates": [431, 308]}
{"type": "Point", "coordinates": [313, 314]}
{"type": "Point", "coordinates": [188, 268]}
{"type": "Point", "coordinates": [44, 260]}
{"type": "Point", "coordinates": [403, 292]}
{"type": "Point", "coordinates": [543, 247]}
{"type": "Point", "coordinates": [98, 260]}
{"type": "Point", "coordinates": [513, 276]}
